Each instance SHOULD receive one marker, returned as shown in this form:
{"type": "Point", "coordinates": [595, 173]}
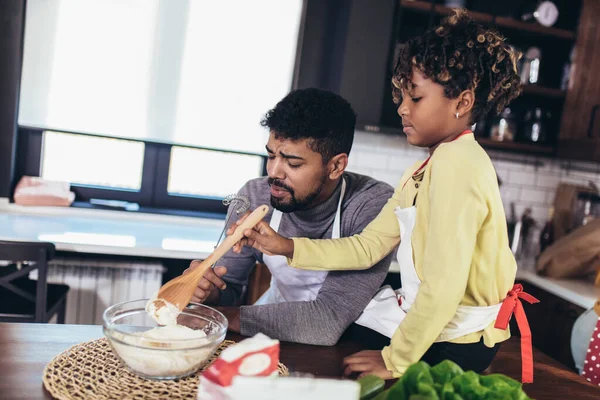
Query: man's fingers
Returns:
{"type": "Point", "coordinates": [193, 265]}
{"type": "Point", "coordinates": [213, 279]}
{"type": "Point", "coordinates": [204, 284]}
{"type": "Point", "coordinates": [199, 295]}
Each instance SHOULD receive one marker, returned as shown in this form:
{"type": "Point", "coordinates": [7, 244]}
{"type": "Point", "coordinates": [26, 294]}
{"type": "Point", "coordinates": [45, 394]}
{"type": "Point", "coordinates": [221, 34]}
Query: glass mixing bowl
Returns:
{"type": "Point", "coordinates": [162, 358]}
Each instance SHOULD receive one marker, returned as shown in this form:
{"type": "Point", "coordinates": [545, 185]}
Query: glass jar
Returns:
{"type": "Point", "coordinates": [530, 73]}
{"type": "Point", "coordinates": [587, 207]}
{"type": "Point", "coordinates": [535, 129]}
{"type": "Point", "coordinates": [503, 127]}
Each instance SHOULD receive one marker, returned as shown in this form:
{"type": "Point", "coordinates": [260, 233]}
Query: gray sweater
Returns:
{"type": "Point", "coordinates": [343, 295]}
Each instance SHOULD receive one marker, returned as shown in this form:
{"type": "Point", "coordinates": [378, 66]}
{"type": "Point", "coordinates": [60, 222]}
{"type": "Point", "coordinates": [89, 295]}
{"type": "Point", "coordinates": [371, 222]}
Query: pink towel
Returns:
{"type": "Point", "coordinates": [35, 191]}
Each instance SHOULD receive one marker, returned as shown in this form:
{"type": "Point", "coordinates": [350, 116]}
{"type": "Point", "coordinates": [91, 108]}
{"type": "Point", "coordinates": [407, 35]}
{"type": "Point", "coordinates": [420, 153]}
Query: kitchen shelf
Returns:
{"type": "Point", "coordinates": [529, 148]}
{"type": "Point", "coordinates": [544, 91]}
{"type": "Point", "coordinates": [503, 22]}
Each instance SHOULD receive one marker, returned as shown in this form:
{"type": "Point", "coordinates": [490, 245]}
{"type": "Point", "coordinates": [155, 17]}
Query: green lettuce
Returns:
{"type": "Point", "coordinates": [447, 381]}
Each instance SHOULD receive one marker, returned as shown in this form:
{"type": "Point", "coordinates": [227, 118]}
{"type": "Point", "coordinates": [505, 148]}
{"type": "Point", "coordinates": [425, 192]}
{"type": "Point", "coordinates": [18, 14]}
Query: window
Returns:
{"type": "Point", "coordinates": [200, 73]}
{"type": "Point", "coordinates": [153, 175]}
{"type": "Point", "coordinates": [164, 107]}
{"type": "Point", "coordinates": [87, 66]}
{"type": "Point", "coordinates": [95, 161]}
{"type": "Point", "coordinates": [237, 63]}
{"type": "Point", "coordinates": [210, 173]}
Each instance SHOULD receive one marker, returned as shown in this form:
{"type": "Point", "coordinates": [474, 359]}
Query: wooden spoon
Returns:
{"type": "Point", "coordinates": [179, 291]}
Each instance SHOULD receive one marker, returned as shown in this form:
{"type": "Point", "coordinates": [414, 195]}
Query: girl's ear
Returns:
{"type": "Point", "coordinates": [465, 102]}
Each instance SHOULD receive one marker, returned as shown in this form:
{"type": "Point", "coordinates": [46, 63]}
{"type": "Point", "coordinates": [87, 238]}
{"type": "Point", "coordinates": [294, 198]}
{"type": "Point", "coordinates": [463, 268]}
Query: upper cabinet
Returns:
{"type": "Point", "coordinates": [345, 48]}
{"type": "Point", "coordinates": [349, 47]}
{"type": "Point", "coordinates": [580, 127]}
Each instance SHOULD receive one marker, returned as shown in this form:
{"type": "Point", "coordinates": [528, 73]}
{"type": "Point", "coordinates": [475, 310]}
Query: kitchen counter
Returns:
{"type": "Point", "coordinates": [577, 291]}
{"type": "Point", "coordinates": [93, 231]}
{"type": "Point", "coordinates": [27, 348]}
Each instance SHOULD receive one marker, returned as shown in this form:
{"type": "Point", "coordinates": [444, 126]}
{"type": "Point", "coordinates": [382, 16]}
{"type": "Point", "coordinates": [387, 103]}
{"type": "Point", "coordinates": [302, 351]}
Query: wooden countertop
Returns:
{"type": "Point", "coordinates": [27, 348]}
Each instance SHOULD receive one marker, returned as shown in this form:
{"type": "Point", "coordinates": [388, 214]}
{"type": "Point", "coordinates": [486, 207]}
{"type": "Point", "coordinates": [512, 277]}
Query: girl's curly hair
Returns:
{"type": "Point", "coordinates": [461, 54]}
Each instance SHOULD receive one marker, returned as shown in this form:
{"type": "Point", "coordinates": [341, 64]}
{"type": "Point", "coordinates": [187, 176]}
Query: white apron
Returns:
{"type": "Point", "coordinates": [292, 284]}
{"type": "Point", "coordinates": [388, 308]}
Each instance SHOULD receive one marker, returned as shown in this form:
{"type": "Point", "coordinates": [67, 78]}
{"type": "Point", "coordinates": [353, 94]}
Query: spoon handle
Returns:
{"type": "Point", "coordinates": [254, 218]}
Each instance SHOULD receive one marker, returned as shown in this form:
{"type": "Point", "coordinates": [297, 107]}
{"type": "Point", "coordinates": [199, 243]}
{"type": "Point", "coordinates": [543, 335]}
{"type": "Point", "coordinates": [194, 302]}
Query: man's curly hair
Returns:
{"type": "Point", "coordinates": [323, 117]}
{"type": "Point", "coordinates": [461, 54]}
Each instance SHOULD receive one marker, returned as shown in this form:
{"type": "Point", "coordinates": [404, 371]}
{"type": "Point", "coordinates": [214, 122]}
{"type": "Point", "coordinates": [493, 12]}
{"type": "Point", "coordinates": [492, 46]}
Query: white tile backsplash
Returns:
{"type": "Point", "coordinates": [511, 192]}
{"type": "Point", "coordinates": [521, 177]}
{"type": "Point", "coordinates": [532, 195]}
{"type": "Point", "coordinates": [528, 181]}
{"type": "Point", "coordinates": [547, 180]}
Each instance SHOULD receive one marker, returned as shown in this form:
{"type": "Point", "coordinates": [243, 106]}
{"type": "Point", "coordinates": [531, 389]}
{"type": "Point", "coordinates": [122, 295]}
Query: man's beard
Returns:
{"type": "Point", "coordinates": [293, 204]}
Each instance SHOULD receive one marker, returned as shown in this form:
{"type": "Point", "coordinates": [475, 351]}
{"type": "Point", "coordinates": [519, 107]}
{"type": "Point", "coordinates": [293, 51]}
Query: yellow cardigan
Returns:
{"type": "Point", "coordinates": [460, 248]}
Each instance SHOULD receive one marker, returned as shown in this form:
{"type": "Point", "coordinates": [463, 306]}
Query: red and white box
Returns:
{"type": "Point", "coordinates": [257, 356]}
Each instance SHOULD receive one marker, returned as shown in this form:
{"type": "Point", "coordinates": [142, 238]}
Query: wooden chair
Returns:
{"type": "Point", "coordinates": [258, 283]}
{"type": "Point", "coordinates": [23, 299]}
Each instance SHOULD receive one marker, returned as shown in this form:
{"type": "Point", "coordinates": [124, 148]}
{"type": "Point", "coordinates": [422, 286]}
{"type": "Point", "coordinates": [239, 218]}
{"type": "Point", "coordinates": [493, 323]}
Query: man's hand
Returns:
{"type": "Point", "coordinates": [233, 317]}
{"type": "Point", "coordinates": [263, 238]}
{"type": "Point", "coordinates": [366, 362]}
{"type": "Point", "coordinates": [208, 285]}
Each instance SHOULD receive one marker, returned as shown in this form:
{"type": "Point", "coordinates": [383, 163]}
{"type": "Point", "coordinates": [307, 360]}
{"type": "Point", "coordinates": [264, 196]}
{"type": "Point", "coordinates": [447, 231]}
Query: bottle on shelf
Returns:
{"type": "Point", "coordinates": [527, 224]}
{"type": "Point", "coordinates": [530, 73]}
{"type": "Point", "coordinates": [503, 127]}
{"type": "Point", "coordinates": [535, 129]}
{"type": "Point", "coordinates": [568, 69]}
{"type": "Point", "coordinates": [478, 128]}
{"type": "Point", "coordinates": [547, 233]}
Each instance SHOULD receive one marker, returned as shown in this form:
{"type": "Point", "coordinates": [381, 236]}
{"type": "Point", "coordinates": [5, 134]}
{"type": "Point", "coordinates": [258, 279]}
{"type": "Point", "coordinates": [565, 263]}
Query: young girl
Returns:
{"type": "Point", "coordinates": [446, 214]}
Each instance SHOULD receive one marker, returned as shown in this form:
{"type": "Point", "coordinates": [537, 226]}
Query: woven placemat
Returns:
{"type": "Point", "coordinates": [91, 371]}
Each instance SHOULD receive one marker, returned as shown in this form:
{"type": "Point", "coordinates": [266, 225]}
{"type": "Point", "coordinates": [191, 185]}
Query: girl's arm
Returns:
{"type": "Point", "coordinates": [357, 252]}
{"type": "Point", "coordinates": [360, 251]}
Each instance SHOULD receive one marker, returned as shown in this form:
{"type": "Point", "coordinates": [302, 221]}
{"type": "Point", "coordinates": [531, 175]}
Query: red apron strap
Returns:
{"type": "Point", "coordinates": [512, 304]}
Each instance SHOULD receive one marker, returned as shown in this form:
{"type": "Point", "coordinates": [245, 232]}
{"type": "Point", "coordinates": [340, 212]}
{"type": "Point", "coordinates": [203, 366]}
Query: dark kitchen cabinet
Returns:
{"type": "Point", "coordinates": [580, 127]}
{"type": "Point", "coordinates": [349, 46]}
{"type": "Point", "coordinates": [345, 48]}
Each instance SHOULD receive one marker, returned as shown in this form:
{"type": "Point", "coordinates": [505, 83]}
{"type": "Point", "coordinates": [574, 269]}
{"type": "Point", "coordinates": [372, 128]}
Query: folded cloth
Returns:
{"type": "Point", "coordinates": [35, 191]}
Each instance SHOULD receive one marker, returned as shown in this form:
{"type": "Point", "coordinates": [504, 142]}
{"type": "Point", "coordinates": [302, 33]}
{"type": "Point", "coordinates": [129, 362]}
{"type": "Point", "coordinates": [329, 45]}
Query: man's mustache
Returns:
{"type": "Point", "coordinates": [279, 184]}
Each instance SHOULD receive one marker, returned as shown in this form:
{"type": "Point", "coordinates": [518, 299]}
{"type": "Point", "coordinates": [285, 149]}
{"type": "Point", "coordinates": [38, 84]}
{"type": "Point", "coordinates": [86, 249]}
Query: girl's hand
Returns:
{"type": "Point", "coordinates": [264, 239]}
{"type": "Point", "coordinates": [367, 362]}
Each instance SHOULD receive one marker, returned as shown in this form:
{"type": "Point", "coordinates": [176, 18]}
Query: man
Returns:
{"type": "Point", "coordinates": [311, 194]}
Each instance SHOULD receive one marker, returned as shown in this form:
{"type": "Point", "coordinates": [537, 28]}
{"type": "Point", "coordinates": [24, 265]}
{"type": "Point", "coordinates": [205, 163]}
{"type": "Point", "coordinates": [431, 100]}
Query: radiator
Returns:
{"type": "Point", "coordinates": [95, 285]}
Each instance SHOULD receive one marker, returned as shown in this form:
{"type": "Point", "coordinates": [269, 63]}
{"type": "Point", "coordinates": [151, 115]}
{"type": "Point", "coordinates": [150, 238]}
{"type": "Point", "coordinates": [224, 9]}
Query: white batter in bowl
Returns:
{"type": "Point", "coordinates": [163, 352]}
